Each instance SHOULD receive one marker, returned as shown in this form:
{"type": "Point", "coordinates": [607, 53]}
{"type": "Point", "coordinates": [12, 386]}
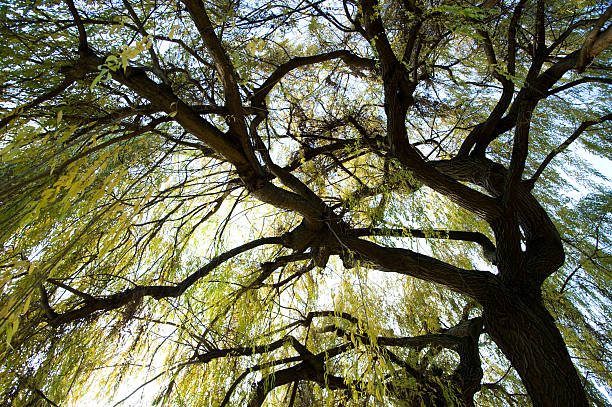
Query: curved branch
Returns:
{"type": "Point", "coordinates": [164, 99]}
{"type": "Point", "coordinates": [583, 126]}
{"type": "Point", "coordinates": [311, 369]}
{"type": "Point", "coordinates": [588, 79]}
{"type": "Point", "coordinates": [224, 66]}
{"type": "Point", "coordinates": [544, 251]}
{"type": "Point", "coordinates": [348, 57]}
{"type": "Point", "coordinates": [540, 86]}
{"type": "Point", "coordinates": [596, 41]}
{"type": "Point", "coordinates": [520, 150]}
{"type": "Point", "coordinates": [125, 297]}
{"type": "Point", "coordinates": [462, 338]}
{"type": "Point", "coordinates": [486, 127]}
{"type": "Point", "coordinates": [255, 368]}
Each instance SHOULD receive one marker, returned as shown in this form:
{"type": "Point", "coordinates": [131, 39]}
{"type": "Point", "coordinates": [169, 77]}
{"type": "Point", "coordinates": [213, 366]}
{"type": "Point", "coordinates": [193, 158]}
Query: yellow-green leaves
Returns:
{"type": "Point", "coordinates": [174, 109]}
{"type": "Point", "coordinates": [12, 327]}
{"type": "Point", "coordinates": [172, 31]}
{"type": "Point", "coordinates": [114, 62]}
{"type": "Point", "coordinates": [18, 296]}
{"type": "Point", "coordinates": [106, 70]}
{"type": "Point", "coordinates": [131, 52]}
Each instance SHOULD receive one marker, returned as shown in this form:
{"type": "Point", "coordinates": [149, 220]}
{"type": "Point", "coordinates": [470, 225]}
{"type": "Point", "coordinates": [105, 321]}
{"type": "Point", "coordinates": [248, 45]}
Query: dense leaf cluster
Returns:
{"type": "Point", "coordinates": [305, 202]}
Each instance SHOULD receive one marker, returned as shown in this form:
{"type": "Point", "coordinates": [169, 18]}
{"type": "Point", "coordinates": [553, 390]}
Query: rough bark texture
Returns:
{"type": "Point", "coordinates": [526, 333]}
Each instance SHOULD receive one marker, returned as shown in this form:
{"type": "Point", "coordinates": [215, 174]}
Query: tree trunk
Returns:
{"type": "Point", "coordinates": [526, 333]}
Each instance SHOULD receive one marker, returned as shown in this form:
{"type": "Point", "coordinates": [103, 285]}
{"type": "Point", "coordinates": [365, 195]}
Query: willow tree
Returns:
{"type": "Point", "coordinates": [300, 203]}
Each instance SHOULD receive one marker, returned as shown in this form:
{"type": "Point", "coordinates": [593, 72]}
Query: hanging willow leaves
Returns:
{"type": "Point", "coordinates": [296, 203]}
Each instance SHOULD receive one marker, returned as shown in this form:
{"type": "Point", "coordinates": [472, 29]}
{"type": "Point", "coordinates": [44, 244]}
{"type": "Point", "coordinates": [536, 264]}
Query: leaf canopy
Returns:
{"type": "Point", "coordinates": [299, 203]}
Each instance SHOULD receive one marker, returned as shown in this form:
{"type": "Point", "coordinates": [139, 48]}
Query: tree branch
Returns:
{"type": "Point", "coordinates": [474, 283]}
{"type": "Point", "coordinates": [224, 66]}
{"type": "Point", "coordinates": [580, 81]}
{"type": "Point", "coordinates": [596, 41]}
{"type": "Point", "coordinates": [125, 297]}
{"type": "Point", "coordinates": [583, 126]}
{"type": "Point", "coordinates": [487, 246]}
{"type": "Point", "coordinates": [348, 57]}
{"type": "Point", "coordinates": [520, 149]}
{"type": "Point", "coordinates": [56, 91]}
{"type": "Point", "coordinates": [79, 23]}
{"type": "Point", "coordinates": [154, 59]}
{"type": "Point", "coordinates": [163, 98]}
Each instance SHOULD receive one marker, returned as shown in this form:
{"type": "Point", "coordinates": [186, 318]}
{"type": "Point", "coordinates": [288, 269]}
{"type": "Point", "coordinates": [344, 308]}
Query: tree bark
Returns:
{"type": "Point", "coordinates": [526, 333]}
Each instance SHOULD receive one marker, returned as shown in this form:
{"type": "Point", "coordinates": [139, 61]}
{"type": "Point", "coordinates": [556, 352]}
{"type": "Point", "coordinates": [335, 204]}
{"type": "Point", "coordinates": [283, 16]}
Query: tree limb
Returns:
{"type": "Point", "coordinates": [348, 57]}
{"type": "Point", "coordinates": [563, 146]}
{"type": "Point", "coordinates": [125, 297]}
{"type": "Point", "coordinates": [487, 246]}
{"type": "Point", "coordinates": [475, 283]}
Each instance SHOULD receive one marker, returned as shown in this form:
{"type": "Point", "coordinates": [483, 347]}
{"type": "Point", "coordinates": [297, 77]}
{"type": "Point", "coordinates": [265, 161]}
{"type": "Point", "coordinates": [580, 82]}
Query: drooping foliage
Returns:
{"type": "Point", "coordinates": [305, 203]}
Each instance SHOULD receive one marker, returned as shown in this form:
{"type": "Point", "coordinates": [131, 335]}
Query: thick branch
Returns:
{"type": "Point", "coordinates": [79, 23]}
{"type": "Point", "coordinates": [462, 338]}
{"type": "Point", "coordinates": [398, 96]}
{"type": "Point", "coordinates": [596, 41]}
{"type": "Point", "coordinates": [475, 283]}
{"type": "Point", "coordinates": [222, 61]}
{"type": "Point", "coordinates": [255, 368]}
{"type": "Point", "coordinates": [163, 98]}
{"type": "Point", "coordinates": [544, 252]}
{"type": "Point", "coordinates": [487, 246]}
{"type": "Point", "coordinates": [519, 152]}
{"type": "Point", "coordinates": [311, 369]}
